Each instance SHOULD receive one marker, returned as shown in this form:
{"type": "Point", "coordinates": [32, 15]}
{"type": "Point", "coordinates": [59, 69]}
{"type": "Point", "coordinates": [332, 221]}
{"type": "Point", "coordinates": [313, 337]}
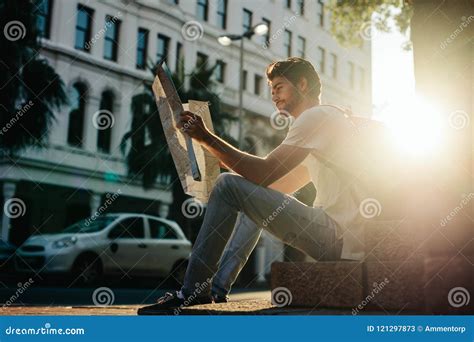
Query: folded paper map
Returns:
{"type": "Point", "coordinates": [197, 168]}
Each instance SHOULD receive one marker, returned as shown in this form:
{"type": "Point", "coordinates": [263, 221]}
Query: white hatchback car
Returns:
{"type": "Point", "coordinates": [114, 244]}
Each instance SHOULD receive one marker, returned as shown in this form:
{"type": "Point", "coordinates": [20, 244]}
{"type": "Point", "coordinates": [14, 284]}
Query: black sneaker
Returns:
{"type": "Point", "coordinates": [171, 301]}
{"type": "Point", "coordinates": [220, 299]}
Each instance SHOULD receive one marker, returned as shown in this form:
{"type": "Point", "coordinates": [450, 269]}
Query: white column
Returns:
{"type": "Point", "coordinates": [90, 132]}
{"type": "Point", "coordinates": [163, 210]}
{"type": "Point", "coordinates": [8, 193]}
{"type": "Point", "coordinates": [94, 202]}
{"type": "Point", "coordinates": [260, 260]}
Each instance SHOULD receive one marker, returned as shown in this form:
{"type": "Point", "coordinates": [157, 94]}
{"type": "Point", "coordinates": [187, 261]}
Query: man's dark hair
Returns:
{"type": "Point", "coordinates": [293, 69]}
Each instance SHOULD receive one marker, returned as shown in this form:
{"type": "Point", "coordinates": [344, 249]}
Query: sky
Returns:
{"type": "Point", "coordinates": [392, 70]}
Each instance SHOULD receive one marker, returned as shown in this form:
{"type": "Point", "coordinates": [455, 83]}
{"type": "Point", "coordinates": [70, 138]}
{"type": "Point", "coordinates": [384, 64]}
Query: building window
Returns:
{"type": "Point", "coordinates": [201, 61]}
{"type": "Point", "coordinates": [222, 14]}
{"type": "Point", "coordinates": [287, 43]}
{"type": "Point", "coordinates": [77, 98]}
{"type": "Point", "coordinates": [83, 28]}
{"type": "Point", "coordinates": [173, 2]}
{"type": "Point", "coordinates": [43, 19]}
{"type": "Point", "coordinates": [247, 20]}
{"type": "Point", "coordinates": [163, 49]}
{"type": "Point", "coordinates": [266, 37]}
{"type": "Point", "coordinates": [258, 85]}
{"type": "Point", "coordinates": [351, 74]}
{"type": "Point", "coordinates": [300, 7]}
{"type": "Point", "coordinates": [321, 59]}
{"type": "Point", "coordinates": [361, 79]}
{"type": "Point", "coordinates": [202, 9]}
{"type": "Point", "coordinates": [320, 12]}
{"type": "Point", "coordinates": [142, 47]}
{"type": "Point", "coordinates": [112, 27]}
{"type": "Point", "coordinates": [244, 79]}
{"type": "Point", "coordinates": [220, 71]}
{"type": "Point", "coordinates": [301, 47]}
{"type": "Point", "coordinates": [179, 61]}
{"type": "Point", "coordinates": [288, 4]}
{"type": "Point", "coordinates": [105, 133]}
{"type": "Point", "coordinates": [333, 65]}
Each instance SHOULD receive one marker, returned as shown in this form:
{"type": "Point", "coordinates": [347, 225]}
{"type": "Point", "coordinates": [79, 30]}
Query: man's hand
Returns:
{"type": "Point", "coordinates": [194, 126]}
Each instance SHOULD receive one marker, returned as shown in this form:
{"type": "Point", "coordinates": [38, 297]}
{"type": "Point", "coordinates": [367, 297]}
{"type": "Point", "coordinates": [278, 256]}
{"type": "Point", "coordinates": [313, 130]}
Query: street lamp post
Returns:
{"type": "Point", "coordinates": [226, 40]}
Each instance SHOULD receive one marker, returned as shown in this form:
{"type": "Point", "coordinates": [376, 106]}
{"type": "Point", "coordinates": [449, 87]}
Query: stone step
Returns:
{"type": "Point", "coordinates": [398, 240]}
{"type": "Point", "coordinates": [361, 286]}
{"type": "Point", "coordinates": [317, 284]}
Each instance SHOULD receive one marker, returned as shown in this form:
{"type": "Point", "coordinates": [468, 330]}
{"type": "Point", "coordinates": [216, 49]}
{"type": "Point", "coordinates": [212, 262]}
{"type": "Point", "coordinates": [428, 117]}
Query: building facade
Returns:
{"type": "Point", "coordinates": [101, 49]}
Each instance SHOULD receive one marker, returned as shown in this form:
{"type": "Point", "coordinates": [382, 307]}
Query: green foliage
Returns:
{"type": "Point", "coordinates": [31, 90]}
{"type": "Point", "coordinates": [349, 18]}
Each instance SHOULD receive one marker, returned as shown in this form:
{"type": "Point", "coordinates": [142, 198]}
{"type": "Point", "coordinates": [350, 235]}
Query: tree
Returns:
{"type": "Point", "coordinates": [31, 90]}
{"type": "Point", "coordinates": [351, 21]}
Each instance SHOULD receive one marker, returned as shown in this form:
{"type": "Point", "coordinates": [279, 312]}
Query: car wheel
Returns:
{"type": "Point", "coordinates": [87, 270]}
{"type": "Point", "coordinates": [178, 273]}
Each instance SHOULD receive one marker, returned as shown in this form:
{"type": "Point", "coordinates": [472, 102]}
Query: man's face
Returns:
{"type": "Point", "coordinates": [285, 95]}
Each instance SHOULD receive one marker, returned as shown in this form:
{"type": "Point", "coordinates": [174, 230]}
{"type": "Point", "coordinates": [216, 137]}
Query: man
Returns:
{"type": "Point", "coordinates": [319, 147]}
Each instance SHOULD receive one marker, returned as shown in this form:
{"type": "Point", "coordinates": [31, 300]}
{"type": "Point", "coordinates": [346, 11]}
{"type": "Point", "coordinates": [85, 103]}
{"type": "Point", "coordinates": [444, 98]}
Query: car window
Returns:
{"type": "Point", "coordinates": [129, 228]}
{"type": "Point", "coordinates": [160, 230]}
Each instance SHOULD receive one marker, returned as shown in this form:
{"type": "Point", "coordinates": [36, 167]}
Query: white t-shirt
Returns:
{"type": "Point", "coordinates": [331, 138]}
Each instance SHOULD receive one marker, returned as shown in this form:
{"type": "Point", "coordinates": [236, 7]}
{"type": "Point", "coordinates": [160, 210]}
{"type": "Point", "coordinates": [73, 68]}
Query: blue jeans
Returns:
{"type": "Point", "coordinates": [237, 200]}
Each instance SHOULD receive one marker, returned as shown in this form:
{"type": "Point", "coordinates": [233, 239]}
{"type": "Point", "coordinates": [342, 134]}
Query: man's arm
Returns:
{"type": "Point", "coordinates": [262, 171]}
{"type": "Point", "coordinates": [292, 181]}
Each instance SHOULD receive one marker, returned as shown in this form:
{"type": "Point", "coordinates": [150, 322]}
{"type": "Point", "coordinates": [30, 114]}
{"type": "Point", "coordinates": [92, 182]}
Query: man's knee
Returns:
{"type": "Point", "coordinates": [224, 180]}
